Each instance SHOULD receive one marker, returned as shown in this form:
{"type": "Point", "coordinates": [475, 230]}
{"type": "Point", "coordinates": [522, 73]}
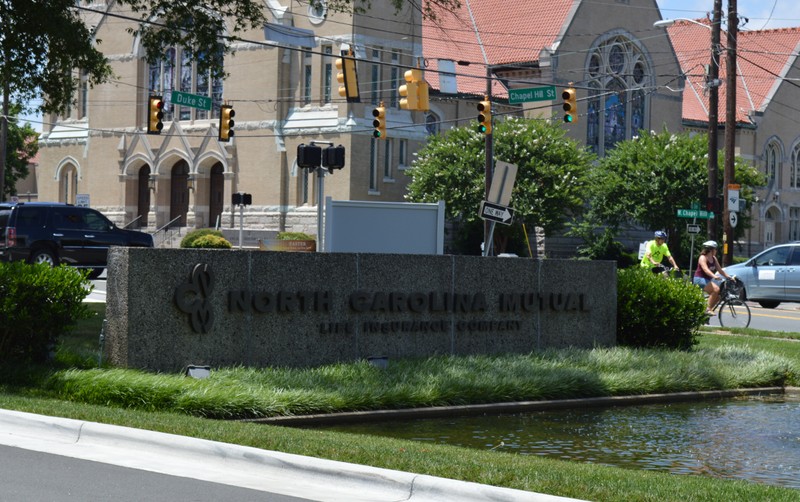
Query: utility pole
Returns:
{"type": "Point", "coordinates": [489, 146]}
{"type": "Point", "coordinates": [713, 117]}
{"type": "Point", "coordinates": [730, 129]}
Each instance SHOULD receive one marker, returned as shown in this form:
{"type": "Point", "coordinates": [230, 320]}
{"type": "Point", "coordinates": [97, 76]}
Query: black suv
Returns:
{"type": "Point", "coordinates": [52, 233]}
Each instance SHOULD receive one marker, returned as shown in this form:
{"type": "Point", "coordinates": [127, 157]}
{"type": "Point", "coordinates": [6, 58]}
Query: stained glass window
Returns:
{"type": "Point", "coordinates": [617, 109]}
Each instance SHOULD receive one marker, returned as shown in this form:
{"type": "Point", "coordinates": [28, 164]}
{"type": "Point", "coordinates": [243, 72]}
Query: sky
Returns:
{"type": "Point", "coordinates": [762, 14]}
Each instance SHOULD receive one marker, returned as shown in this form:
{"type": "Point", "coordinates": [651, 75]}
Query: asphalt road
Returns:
{"type": "Point", "coordinates": [35, 476]}
{"type": "Point", "coordinates": [786, 317]}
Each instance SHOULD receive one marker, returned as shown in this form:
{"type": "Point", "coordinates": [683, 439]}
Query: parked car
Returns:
{"type": "Point", "coordinates": [54, 233]}
{"type": "Point", "coordinates": [772, 276]}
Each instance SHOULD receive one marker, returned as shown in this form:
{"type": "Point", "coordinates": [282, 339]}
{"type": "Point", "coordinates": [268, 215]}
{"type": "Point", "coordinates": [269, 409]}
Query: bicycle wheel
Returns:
{"type": "Point", "coordinates": [734, 313]}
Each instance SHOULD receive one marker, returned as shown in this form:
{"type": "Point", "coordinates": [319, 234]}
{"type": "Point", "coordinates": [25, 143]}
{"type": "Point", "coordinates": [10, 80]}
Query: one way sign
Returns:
{"type": "Point", "coordinates": [496, 213]}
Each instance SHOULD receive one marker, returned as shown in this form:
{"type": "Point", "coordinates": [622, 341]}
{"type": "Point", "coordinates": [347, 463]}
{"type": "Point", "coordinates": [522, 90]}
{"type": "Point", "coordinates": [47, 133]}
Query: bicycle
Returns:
{"type": "Point", "coordinates": [731, 310]}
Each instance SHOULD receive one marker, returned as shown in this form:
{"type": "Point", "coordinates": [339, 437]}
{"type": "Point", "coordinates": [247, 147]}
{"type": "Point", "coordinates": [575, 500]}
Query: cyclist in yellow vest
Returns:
{"type": "Point", "coordinates": [656, 250]}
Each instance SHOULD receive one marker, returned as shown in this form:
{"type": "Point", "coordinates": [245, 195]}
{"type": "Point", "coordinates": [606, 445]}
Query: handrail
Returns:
{"type": "Point", "coordinates": [166, 228]}
{"type": "Point", "coordinates": [133, 221]}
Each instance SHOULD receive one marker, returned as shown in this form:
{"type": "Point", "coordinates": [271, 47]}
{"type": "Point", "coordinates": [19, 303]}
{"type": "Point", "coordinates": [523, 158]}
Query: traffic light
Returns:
{"type": "Point", "coordinates": [333, 157]}
{"type": "Point", "coordinates": [415, 92]}
{"type": "Point", "coordinates": [347, 77]}
{"type": "Point", "coordinates": [379, 123]}
{"type": "Point", "coordinates": [410, 91]}
{"type": "Point", "coordinates": [155, 112]}
{"type": "Point", "coordinates": [485, 116]}
{"type": "Point", "coordinates": [309, 156]}
{"type": "Point", "coordinates": [226, 123]}
{"type": "Point", "coordinates": [570, 105]}
{"type": "Point", "coordinates": [423, 104]}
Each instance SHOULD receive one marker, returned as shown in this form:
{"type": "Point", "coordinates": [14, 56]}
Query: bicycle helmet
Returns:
{"type": "Point", "coordinates": [710, 244]}
{"type": "Point", "coordinates": [661, 234]}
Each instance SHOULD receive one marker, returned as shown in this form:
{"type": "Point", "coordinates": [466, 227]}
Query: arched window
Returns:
{"type": "Point", "coordinates": [432, 123]}
{"type": "Point", "coordinates": [772, 162]}
{"type": "Point", "coordinates": [617, 73]}
{"type": "Point", "coordinates": [162, 79]}
{"type": "Point", "coordinates": [794, 180]}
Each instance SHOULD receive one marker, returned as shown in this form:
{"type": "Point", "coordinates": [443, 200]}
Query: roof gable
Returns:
{"type": "Point", "coordinates": [763, 59]}
{"type": "Point", "coordinates": [492, 33]}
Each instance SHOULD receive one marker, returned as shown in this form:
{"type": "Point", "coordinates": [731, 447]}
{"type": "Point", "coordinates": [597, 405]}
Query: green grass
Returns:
{"type": "Point", "coordinates": [176, 404]}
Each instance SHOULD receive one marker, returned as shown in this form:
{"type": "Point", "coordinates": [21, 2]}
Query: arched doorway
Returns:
{"type": "Point", "coordinates": [179, 193]}
{"type": "Point", "coordinates": [143, 196]}
{"type": "Point", "coordinates": [216, 194]}
{"type": "Point", "coordinates": [68, 184]}
{"type": "Point", "coordinates": [771, 227]}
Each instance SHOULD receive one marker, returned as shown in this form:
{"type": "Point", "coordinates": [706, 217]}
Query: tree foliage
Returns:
{"type": "Point", "coordinates": [22, 146]}
{"type": "Point", "coordinates": [551, 174]}
{"type": "Point", "coordinates": [645, 180]}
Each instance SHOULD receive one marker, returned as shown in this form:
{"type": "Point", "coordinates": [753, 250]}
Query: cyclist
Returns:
{"type": "Point", "coordinates": [709, 269]}
{"type": "Point", "coordinates": [656, 250]}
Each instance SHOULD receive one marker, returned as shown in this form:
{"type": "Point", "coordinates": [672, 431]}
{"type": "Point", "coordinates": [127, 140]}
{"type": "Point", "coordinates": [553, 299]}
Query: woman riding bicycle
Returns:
{"type": "Point", "coordinates": [709, 269]}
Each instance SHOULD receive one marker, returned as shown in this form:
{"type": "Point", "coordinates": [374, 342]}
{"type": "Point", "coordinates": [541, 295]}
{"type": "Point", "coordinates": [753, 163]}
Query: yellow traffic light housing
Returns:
{"type": "Point", "coordinates": [409, 92]}
{"type": "Point", "coordinates": [155, 112]}
{"type": "Point", "coordinates": [423, 103]}
{"type": "Point", "coordinates": [226, 114]}
{"type": "Point", "coordinates": [347, 77]}
{"type": "Point", "coordinates": [379, 123]}
{"type": "Point", "coordinates": [485, 116]}
{"type": "Point", "coordinates": [570, 105]}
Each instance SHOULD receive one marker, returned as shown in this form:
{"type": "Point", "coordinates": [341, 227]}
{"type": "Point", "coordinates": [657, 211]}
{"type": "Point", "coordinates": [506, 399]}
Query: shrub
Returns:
{"type": "Point", "coordinates": [188, 240]}
{"type": "Point", "coordinates": [654, 311]}
{"type": "Point", "coordinates": [295, 236]}
{"type": "Point", "coordinates": [37, 305]}
{"type": "Point", "coordinates": [211, 242]}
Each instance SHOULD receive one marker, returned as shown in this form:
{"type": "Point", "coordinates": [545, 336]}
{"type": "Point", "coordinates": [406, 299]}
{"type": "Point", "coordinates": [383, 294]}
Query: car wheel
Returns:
{"type": "Point", "coordinates": [769, 304]}
{"type": "Point", "coordinates": [95, 273]}
{"type": "Point", "coordinates": [44, 256]}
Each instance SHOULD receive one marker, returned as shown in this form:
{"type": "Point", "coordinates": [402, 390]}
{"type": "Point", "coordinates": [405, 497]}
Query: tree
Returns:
{"type": "Point", "coordinates": [22, 147]}
{"type": "Point", "coordinates": [645, 180]}
{"type": "Point", "coordinates": [551, 172]}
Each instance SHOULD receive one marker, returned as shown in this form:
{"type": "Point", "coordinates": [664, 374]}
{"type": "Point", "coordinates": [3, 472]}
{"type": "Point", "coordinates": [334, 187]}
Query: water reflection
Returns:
{"type": "Point", "coordinates": [752, 439]}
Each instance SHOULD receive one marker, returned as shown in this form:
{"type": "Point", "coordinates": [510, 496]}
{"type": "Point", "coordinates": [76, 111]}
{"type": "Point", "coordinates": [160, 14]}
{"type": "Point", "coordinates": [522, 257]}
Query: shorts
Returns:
{"type": "Point", "coordinates": [701, 281]}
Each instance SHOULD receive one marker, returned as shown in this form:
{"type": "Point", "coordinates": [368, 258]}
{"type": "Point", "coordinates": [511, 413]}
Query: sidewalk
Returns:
{"type": "Point", "coordinates": [253, 468]}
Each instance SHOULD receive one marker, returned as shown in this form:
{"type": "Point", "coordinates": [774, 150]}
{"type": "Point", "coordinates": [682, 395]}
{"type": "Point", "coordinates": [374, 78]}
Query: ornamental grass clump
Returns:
{"type": "Point", "coordinates": [656, 311]}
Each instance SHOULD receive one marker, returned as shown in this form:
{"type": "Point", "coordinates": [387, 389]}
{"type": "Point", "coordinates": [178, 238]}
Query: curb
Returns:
{"type": "Point", "coordinates": [253, 468]}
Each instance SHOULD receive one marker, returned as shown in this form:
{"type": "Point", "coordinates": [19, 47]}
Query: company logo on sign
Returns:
{"type": "Point", "coordinates": [193, 298]}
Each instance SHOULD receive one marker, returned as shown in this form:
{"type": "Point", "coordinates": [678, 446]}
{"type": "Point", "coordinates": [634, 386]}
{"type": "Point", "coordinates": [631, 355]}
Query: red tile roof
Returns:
{"type": "Point", "coordinates": [483, 32]}
{"type": "Point", "coordinates": [763, 57]}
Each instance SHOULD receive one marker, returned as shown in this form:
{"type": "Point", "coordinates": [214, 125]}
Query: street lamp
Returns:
{"type": "Point", "coordinates": [712, 84]}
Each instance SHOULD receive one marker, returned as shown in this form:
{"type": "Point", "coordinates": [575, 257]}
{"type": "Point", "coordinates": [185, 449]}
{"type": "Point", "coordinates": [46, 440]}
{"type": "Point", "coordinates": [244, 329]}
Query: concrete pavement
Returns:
{"type": "Point", "coordinates": [253, 468]}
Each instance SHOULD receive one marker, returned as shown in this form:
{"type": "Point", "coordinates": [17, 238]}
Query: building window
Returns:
{"type": "Point", "coordinates": [387, 159]}
{"type": "Point", "coordinates": [795, 174]}
{"type": "Point", "coordinates": [794, 223]}
{"type": "Point", "coordinates": [84, 98]}
{"type": "Point", "coordinates": [373, 165]}
{"type": "Point", "coordinates": [161, 80]}
{"type": "Point", "coordinates": [402, 153]}
{"type": "Point", "coordinates": [431, 124]}
{"type": "Point", "coordinates": [394, 82]}
{"type": "Point", "coordinates": [307, 78]}
{"type": "Point", "coordinates": [772, 163]}
{"type": "Point", "coordinates": [376, 76]}
{"type": "Point", "coordinates": [304, 183]}
{"type": "Point", "coordinates": [327, 72]}
{"type": "Point", "coordinates": [617, 76]}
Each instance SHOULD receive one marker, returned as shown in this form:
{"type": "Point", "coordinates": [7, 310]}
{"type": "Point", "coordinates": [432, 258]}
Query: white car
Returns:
{"type": "Point", "coordinates": [772, 276]}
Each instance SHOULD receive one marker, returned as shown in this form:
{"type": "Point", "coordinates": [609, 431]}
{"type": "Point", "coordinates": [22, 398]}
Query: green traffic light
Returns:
{"type": "Point", "coordinates": [568, 118]}
{"type": "Point", "coordinates": [376, 134]}
{"type": "Point", "coordinates": [482, 128]}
